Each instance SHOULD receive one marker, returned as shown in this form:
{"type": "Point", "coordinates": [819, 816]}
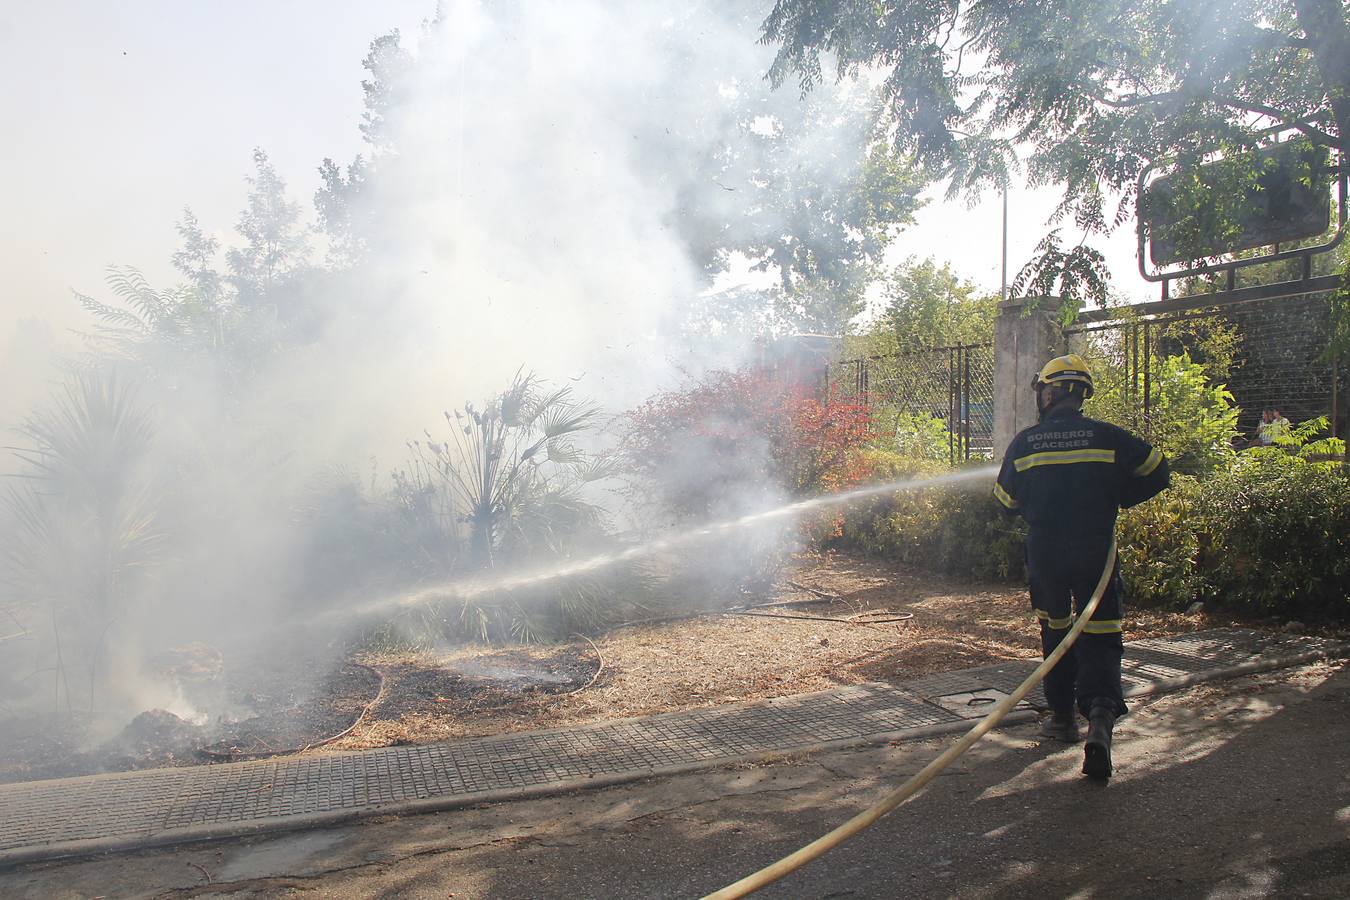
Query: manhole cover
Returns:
{"type": "Point", "coordinates": [973, 704]}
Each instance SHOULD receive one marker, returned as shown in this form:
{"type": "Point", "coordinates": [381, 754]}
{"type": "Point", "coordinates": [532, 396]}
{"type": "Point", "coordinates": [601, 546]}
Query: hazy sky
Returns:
{"type": "Point", "coordinates": [119, 114]}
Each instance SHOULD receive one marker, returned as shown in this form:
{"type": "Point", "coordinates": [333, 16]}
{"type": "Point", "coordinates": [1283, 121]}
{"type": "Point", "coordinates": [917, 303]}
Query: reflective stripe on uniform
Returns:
{"type": "Point", "coordinates": [1096, 626]}
{"type": "Point", "coordinates": [1057, 624]}
{"type": "Point", "coordinates": [1148, 465]}
{"type": "Point", "coordinates": [1004, 497]}
{"type": "Point", "coordinates": [1064, 457]}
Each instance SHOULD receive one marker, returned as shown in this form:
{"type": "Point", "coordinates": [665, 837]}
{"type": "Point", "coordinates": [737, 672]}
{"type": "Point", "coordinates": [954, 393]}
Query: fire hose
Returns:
{"type": "Point", "coordinates": [821, 845]}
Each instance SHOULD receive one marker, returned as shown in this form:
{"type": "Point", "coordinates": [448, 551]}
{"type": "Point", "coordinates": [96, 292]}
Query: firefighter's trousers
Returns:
{"type": "Point", "coordinates": [1064, 570]}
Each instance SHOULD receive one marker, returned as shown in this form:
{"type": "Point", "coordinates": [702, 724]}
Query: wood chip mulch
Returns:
{"type": "Point", "coordinates": [709, 660]}
{"type": "Point", "coordinates": [648, 668]}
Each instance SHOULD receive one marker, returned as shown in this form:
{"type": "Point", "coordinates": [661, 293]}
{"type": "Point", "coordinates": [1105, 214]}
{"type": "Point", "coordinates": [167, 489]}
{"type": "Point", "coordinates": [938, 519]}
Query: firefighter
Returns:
{"type": "Point", "coordinates": [1068, 476]}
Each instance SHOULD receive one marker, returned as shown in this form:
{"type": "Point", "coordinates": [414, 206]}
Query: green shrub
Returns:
{"type": "Point", "coordinates": [977, 538]}
{"type": "Point", "coordinates": [956, 529]}
{"type": "Point", "coordinates": [1275, 535]}
{"type": "Point", "coordinates": [1268, 534]}
{"type": "Point", "coordinates": [1159, 545]}
{"type": "Point", "coordinates": [1193, 421]}
{"type": "Point", "coordinates": [922, 437]}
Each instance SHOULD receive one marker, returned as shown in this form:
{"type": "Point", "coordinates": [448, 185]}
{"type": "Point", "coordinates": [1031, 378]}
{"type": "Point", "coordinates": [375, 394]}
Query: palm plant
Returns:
{"type": "Point", "coordinates": [82, 518]}
{"type": "Point", "coordinates": [511, 477]}
{"type": "Point", "coordinates": [494, 461]}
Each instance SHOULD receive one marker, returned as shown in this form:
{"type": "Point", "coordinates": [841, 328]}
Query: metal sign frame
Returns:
{"type": "Point", "coordinates": [1342, 176]}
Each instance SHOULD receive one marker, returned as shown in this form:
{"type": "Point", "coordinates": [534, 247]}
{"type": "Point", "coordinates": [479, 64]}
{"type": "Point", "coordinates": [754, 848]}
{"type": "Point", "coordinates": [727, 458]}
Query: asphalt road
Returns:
{"type": "Point", "coordinates": [1232, 790]}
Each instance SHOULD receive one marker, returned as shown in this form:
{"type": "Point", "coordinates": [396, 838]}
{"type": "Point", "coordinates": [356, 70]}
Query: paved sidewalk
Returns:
{"type": "Point", "coordinates": [47, 819]}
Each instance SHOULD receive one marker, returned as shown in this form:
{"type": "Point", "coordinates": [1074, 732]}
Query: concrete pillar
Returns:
{"type": "Point", "coordinates": [1026, 335]}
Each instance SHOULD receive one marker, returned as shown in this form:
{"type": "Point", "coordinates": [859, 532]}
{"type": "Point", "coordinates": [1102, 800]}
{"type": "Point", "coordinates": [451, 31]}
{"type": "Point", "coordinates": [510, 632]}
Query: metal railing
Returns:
{"type": "Point", "coordinates": [905, 391]}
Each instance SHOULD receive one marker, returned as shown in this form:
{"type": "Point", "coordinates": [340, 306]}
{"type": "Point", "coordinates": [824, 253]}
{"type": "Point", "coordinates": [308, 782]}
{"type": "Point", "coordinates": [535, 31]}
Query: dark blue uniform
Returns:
{"type": "Point", "coordinates": [1069, 476]}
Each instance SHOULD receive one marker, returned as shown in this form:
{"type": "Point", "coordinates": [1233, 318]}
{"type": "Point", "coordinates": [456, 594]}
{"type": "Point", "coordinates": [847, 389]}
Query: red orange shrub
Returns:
{"type": "Point", "coordinates": [745, 435]}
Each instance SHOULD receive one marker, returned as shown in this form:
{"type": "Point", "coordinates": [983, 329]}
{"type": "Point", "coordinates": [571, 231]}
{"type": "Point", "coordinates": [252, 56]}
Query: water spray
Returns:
{"type": "Point", "coordinates": [471, 588]}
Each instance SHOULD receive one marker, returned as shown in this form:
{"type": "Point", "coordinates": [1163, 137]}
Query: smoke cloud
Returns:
{"type": "Point", "coordinates": [533, 196]}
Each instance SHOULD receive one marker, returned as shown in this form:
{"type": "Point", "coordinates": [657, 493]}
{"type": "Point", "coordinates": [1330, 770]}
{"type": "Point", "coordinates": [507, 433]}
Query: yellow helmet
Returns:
{"type": "Point", "coordinates": [1063, 369]}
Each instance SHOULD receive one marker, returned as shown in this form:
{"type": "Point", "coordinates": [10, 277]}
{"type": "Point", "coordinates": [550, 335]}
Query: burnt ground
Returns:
{"type": "Point", "coordinates": [273, 704]}
{"type": "Point", "coordinates": [277, 704]}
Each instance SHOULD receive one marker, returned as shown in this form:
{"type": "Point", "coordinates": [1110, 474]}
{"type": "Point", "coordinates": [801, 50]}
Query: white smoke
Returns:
{"type": "Point", "coordinates": [526, 209]}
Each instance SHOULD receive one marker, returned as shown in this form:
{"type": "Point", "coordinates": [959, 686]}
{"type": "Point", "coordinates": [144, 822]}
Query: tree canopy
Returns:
{"type": "Point", "coordinates": [928, 305]}
{"type": "Point", "coordinates": [1097, 89]}
{"type": "Point", "coordinates": [810, 192]}
{"type": "Point", "coordinates": [228, 322]}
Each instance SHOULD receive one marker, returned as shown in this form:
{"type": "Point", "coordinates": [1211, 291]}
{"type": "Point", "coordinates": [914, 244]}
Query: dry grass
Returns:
{"type": "Point", "coordinates": [689, 663]}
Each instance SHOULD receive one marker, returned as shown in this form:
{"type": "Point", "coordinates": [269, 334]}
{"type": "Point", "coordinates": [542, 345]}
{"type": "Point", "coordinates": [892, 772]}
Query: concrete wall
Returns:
{"type": "Point", "coordinates": [1026, 335]}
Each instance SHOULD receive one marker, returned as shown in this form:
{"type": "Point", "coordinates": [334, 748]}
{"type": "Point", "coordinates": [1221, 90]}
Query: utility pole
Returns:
{"type": "Point", "coordinates": [1003, 282]}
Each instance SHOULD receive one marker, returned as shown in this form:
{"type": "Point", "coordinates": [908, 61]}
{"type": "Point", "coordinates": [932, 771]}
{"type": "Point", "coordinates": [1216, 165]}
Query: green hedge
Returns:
{"type": "Point", "coordinates": [1269, 534]}
{"type": "Point", "coordinates": [957, 530]}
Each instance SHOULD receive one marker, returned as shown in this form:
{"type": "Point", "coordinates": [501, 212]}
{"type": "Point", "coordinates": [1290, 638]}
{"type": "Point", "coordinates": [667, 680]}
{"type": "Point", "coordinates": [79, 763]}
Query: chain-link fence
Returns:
{"type": "Point", "coordinates": [1119, 353]}
{"type": "Point", "coordinates": [939, 399]}
{"type": "Point", "coordinates": [1269, 353]}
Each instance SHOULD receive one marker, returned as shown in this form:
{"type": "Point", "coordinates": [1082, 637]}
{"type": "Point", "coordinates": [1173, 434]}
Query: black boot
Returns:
{"type": "Point", "coordinates": [1097, 750]}
{"type": "Point", "coordinates": [1061, 726]}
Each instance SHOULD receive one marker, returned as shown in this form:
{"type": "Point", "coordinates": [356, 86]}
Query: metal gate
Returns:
{"type": "Point", "coordinates": [954, 385]}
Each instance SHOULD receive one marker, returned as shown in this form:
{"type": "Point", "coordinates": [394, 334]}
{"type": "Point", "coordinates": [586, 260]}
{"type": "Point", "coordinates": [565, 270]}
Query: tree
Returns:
{"type": "Point", "coordinates": [341, 201]}
{"type": "Point", "coordinates": [228, 325]}
{"type": "Point", "coordinates": [389, 66]}
{"type": "Point", "coordinates": [808, 191]}
{"type": "Point", "coordinates": [1097, 88]}
{"type": "Point", "coordinates": [338, 202]}
{"type": "Point", "coordinates": [195, 258]}
{"type": "Point", "coordinates": [276, 243]}
{"type": "Point", "coordinates": [929, 306]}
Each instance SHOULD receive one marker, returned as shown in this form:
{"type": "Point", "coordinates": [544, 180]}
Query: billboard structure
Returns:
{"type": "Point", "coordinates": [1193, 213]}
{"type": "Point", "coordinates": [1204, 218]}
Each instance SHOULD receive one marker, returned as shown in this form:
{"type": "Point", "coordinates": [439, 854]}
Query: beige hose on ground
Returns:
{"type": "Point", "coordinates": [821, 845]}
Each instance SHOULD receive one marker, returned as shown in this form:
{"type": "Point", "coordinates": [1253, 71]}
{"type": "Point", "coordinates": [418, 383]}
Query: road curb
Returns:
{"type": "Point", "coordinates": [1253, 667]}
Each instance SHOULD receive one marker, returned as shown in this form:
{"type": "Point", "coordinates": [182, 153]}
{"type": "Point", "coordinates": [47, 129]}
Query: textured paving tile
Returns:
{"type": "Point", "coordinates": [135, 805]}
{"type": "Point", "coordinates": [147, 803]}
